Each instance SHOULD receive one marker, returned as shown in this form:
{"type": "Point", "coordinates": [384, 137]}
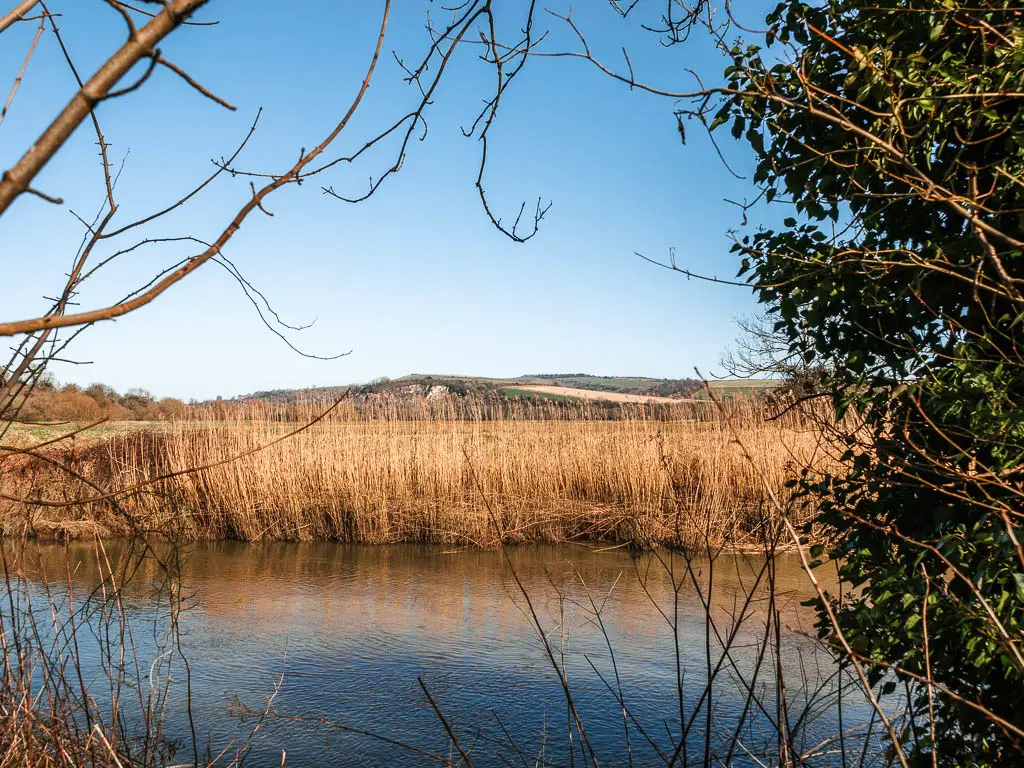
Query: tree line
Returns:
{"type": "Point", "coordinates": [54, 402]}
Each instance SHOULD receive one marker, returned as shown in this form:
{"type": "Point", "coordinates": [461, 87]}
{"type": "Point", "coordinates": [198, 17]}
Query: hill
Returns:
{"type": "Point", "coordinates": [559, 386]}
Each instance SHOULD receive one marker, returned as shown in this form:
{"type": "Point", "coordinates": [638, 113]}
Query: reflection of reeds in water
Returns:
{"type": "Point", "coordinates": [610, 616]}
{"type": "Point", "coordinates": [288, 587]}
{"type": "Point", "coordinates": [389, 474]}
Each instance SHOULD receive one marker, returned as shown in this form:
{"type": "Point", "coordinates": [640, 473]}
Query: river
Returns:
{"type": "Point", "coordinates": [341, 635]}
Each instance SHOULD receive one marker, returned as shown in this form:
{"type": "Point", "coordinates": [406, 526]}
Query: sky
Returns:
{"type": "Point", "coordinates": [416, 279]}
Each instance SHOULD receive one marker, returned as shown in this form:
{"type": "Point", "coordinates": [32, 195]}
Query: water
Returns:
{"type": "Point", "coordinates": [343, 634]}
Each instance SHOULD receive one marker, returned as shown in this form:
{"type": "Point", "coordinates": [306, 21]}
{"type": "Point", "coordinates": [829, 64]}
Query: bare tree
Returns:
{"type": "Point", "coordinates": [764, 349]}
{"type": "Point", "coordinates": [59, 722]}
{"type": "Point", "coordinates": [108, 236]}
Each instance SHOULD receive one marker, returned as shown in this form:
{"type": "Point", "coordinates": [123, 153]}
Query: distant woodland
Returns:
{"type": "Point", "coordinates": [69, 402]}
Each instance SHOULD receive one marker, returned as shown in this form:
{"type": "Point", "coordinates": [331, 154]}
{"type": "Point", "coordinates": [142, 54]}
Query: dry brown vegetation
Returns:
{"type": "Point", "coordinates": [426, 471]}
{"type": "Point", "coordinates": [49, 402]}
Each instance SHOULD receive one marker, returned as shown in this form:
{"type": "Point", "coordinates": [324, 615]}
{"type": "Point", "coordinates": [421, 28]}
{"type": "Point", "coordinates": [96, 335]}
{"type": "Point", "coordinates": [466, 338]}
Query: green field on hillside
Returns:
{"type": "Point", "coordinates": [738, 387]}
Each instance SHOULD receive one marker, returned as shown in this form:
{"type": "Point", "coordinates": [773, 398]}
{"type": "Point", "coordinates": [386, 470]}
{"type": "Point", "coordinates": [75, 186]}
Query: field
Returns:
{"type": "Point", "coordinates": [584, 394]}
{"type": "Point", "coordinates": [536, 474]}
{"type": "Point", "coordinates": [580, 381]}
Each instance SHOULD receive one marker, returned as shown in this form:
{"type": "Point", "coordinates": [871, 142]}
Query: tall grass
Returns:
{"type": "Point", "coordinates": [384, 471]}
{"type": "Point", "coordinates": [396, 471]}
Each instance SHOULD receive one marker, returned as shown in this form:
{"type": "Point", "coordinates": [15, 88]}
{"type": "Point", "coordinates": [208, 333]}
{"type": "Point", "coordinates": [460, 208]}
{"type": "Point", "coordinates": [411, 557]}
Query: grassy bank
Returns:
{"type": "Point", "coordinates": [388, 475]}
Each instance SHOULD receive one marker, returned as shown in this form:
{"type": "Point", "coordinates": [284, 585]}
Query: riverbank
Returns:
{"type": "Point", "coordinates": [389, 478]}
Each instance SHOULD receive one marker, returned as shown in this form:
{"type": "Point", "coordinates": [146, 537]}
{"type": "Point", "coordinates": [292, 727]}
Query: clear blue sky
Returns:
{"type": "Point", "coordinates": [416, 279]}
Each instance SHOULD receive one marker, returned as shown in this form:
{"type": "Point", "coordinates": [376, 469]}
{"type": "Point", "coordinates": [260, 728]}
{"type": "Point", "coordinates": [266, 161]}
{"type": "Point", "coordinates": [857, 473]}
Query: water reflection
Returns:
{"type": "Point", "coordinates": [346, 630]}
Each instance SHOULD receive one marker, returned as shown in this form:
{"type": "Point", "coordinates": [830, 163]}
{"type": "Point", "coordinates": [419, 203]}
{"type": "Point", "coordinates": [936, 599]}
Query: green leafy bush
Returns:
{"type": "Point", "coordinates": [895, 131]}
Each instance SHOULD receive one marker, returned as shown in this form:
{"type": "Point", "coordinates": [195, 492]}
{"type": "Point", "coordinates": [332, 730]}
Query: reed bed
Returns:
{"type": "Point", "coordinates": [442, 471]}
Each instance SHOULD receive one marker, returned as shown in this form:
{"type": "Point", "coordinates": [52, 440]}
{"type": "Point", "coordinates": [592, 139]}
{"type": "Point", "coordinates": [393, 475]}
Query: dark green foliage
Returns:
{"type": "Point", "coordinates": [895, 130]}
{"type": "Point", "coordinates": [531, 395]}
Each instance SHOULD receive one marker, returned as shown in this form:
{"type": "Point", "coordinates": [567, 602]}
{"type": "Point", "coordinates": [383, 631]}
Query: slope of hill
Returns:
{"type": "Point", "coordinates": [560, 386]}
{"type": "Point", "coordinates": [578, 393]}
{"type": "Point", "coordinates": [629, 385]}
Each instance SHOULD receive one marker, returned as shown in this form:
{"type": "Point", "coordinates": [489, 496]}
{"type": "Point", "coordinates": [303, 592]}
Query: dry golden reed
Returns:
{"type": "Point", "coordinates": [443, 472]}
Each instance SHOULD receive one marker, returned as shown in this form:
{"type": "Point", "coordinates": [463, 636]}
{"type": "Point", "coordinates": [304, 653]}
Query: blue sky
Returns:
{"type": "Point", "coordinates": [415, 279]}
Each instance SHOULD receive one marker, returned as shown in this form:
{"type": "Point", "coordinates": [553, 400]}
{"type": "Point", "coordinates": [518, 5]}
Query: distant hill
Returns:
{"type": "Point", "coordinates": [545, 385]}
{"type": "Point", "coordinates": [627, 385]}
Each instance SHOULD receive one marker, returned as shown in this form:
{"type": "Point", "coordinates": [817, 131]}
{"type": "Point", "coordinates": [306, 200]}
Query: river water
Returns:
{"type": "Point", "coordinates": [345, 633]}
